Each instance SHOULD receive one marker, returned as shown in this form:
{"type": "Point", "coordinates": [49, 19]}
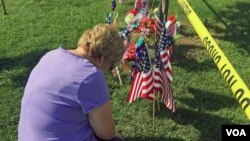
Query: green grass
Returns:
{"type": "Point", "coordinates": [204, 100]}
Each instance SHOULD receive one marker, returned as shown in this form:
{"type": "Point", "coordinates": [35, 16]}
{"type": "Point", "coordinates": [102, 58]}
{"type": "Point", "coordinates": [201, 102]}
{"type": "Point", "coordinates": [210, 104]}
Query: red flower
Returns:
{"type": "Point", "coordinates": [129, 54]}
{"type": "Point", "coordinates": [132, 11]}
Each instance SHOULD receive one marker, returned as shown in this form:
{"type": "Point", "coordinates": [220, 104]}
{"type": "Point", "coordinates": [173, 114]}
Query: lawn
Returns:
{"type": "Point", "coordinates": [204, 100]}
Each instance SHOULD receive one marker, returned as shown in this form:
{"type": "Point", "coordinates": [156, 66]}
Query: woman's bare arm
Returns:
{"type": "Point", "coordinates": [102, 122]}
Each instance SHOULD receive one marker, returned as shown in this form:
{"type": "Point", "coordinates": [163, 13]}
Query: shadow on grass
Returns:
{"type": "Point", "coordinates": [192, 58]}
{"type": "Point", "coordinates": [28, 60]}
{"type": "Point", "coordinates": [218, 17]}
{"type": "Point", "coordinates": [152, 139]}
{"type": "Point", "coordinates": [199, 117]}
{"type": "Point", "coordinates": [185, 30]}
{"type": "Point", "coordinates": [236, 22]}
{"type": "Point", "coordinates": [208, 125]}
{"type": "Point", "coordinates": [207, 101]}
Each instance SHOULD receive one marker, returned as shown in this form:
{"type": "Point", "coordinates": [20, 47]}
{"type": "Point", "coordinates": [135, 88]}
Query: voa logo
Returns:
{"type": "Point", "coordinates": [236, 132]}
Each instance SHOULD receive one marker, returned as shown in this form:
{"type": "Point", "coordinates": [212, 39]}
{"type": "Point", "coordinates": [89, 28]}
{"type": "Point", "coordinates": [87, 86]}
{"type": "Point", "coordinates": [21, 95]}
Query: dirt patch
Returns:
{"type": "Point", "coordinates": [189, 41]}
{"type": "Point", "coordinates": [188, 46]}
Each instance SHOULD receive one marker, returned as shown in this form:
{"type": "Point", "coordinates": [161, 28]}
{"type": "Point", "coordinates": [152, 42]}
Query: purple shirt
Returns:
{"type": "Point", "coordinates": [62, 89]}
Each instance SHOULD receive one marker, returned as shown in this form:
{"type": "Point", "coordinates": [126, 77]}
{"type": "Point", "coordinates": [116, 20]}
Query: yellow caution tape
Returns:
{"type": "Point", "coordinates": [236, 84]}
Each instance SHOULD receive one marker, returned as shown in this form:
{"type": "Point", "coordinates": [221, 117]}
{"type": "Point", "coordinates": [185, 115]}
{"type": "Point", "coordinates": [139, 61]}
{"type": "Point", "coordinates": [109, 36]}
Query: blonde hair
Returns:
{"type": "Point", "coordinates": [103, 40]}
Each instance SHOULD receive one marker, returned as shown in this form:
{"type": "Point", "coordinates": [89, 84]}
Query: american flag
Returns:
{"type": "Point", "coordinates": [161, 82]}
{"type": "Point", "coordinates": [164, 47]}
{"type": "Point", "coordinates": [159, 20]}
{"type": "Point", "coordinates": [143, 84]}
{"type": "Point", "coordinates": [158, 72]}
{"type": "Point", "coordinates": [167, 94]}
{"type": "Point", "coordinates": [171, 26]}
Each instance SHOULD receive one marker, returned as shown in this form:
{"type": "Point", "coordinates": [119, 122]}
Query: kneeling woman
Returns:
{"type": "Point", "coordinates": [66, 97]}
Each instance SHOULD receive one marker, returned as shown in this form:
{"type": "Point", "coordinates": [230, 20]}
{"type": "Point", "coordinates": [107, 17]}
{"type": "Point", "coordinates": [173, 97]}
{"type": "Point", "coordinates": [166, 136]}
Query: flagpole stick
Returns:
{"type": "Point", "coordinates": [165, 7]}
{"type": "Point", "coordinates": [118, 73]}
{"type": "Point", "coordinates": [171, 49]}
{"type": "Point", "coordinates": [153, 113]}
{"type": "Point", "coordinates": [113, 17]}
{"type": "Point", "coordinates": [116, 16]}
{"type": "Point", "coordinates": [154, 92]}
{"type": "Point", "coordinates": [158, 101]}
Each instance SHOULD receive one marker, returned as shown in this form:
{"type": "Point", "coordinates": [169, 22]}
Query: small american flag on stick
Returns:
{"type": "Point", "coordinates": [142, 84]}
{"type": "Point", "coordinates": [171, 26]}
{"type": "Point", "coordinates": [164, 47]}
{"type": "Point", "coordinates": [163, 72]}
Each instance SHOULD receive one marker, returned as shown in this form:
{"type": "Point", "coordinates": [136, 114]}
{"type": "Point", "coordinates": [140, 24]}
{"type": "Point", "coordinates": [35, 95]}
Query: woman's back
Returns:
{"type": "Point", "coordinates": [61, 90]}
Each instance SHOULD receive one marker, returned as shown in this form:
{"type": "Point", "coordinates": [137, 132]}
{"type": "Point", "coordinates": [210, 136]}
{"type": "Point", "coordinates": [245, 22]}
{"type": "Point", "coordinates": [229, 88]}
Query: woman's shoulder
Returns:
{"type": "Point", "coordinates": [95, 76]}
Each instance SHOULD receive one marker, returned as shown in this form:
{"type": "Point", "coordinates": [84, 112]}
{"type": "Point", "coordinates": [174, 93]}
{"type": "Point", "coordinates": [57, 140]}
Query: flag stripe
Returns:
{"type": "Point", "coordinates": [135, 87]}
{"type": "Point", "coordinates": [167, 94]}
